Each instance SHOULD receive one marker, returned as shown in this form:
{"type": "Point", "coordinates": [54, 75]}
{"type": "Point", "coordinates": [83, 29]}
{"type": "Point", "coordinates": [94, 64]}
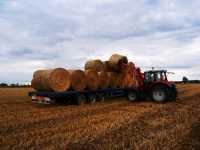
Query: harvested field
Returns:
{"type": "Point", "coordinates": [114, 124]}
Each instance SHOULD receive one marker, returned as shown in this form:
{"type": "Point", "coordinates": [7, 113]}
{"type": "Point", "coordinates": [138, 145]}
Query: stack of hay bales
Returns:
{"type": "Point", "coordinates": [116, 72]}
{"type": "Point", "coordinates": [122, 73]}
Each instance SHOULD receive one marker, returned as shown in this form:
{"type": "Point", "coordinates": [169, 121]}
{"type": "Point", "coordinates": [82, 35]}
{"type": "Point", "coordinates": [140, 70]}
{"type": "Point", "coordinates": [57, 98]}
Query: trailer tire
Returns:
{"type": "Point", "coordinates": [80, 99]}
{"type": "Point", "coordinates": [100, 97]}
{"type": "Point", "coordinates": [91, 98]}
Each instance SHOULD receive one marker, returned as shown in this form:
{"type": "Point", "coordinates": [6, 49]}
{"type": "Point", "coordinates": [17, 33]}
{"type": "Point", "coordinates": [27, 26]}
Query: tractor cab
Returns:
{"type": "Point", "coordinates": [155, 75]}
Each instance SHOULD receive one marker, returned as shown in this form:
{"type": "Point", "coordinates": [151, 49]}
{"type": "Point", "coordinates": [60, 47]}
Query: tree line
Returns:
{"type": "Point", "coordinates": [14, 85]}
{"type": "Point", "coordinates": [186, 80]}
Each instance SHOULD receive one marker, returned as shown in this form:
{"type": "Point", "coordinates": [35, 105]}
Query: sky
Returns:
{"type": "Point", "coordinates": [65, 33]}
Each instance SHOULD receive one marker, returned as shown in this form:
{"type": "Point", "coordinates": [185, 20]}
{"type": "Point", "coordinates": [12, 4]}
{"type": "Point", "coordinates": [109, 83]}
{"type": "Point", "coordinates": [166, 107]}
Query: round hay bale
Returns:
{"type": "Point", "coordinates": [52, 80]}
{"type": "Point", "coordinates": [103, 79]}
{"type": "Point", "coordinates": [96, 65]}
{"type": "Point", "coordinates": [92, 79]}
{"type": "Point", "coordinates": [107, 66]}
{"type": "Point", "coordinates": [133, 82]}
{"type": "Point", "coordinates": [36, 84]}
{"type": "Point", "coordinates": [77, 79]}
{"type": "Point", "coordinates": [127, 80]}
{"type": "Point", "coordinates": [130, 80]}
{"type": "Point", "coordinates": [123, 80]}
{"type": "Point", "coordinates": [131, 65]}
{"type": "Point", "coordinates": [120, 80]}
{"type": "Point", "coordinates": [111, 78]}
{"type": "Point", "coordinates": [37, 73]}
{"type": "Point", "coordinates": [114, 79]}
{"type": "Point", "coordinates": [116, 61]}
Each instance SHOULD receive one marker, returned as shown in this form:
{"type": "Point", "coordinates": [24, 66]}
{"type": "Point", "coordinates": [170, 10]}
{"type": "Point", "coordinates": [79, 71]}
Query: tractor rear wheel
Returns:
{"type": "Point", "coordinates": [159, 93]}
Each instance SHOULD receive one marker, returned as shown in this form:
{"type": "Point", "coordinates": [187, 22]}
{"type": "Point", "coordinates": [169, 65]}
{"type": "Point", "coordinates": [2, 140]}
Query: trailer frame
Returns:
{"type": "Point", "coordinates": [49, 97]}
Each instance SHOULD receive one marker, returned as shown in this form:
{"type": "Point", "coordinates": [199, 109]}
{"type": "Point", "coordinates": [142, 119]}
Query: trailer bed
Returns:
{"type": "Point", "coordinates": [48, 97]}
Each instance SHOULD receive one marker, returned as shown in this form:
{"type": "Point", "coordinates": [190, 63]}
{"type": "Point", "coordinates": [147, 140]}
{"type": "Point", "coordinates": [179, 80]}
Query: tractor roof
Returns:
{"type": "Point", "coordinates": [155, 71]}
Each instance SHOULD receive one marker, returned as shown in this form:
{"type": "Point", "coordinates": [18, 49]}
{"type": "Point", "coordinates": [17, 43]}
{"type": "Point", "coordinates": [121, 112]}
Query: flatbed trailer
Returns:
{"type": "Point", "coordinates": [81, 97]}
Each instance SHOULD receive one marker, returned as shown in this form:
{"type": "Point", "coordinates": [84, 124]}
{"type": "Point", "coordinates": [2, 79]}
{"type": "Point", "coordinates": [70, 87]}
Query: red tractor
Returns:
{"type": "Point", "coordinates": [154, 84]}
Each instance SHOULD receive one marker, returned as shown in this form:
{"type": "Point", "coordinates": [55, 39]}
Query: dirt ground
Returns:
{"type": "Point", "coordinates": [113, 124]}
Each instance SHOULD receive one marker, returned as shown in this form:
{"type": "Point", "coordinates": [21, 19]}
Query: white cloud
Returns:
{"type": "Point", "coordinates": [57, 33]}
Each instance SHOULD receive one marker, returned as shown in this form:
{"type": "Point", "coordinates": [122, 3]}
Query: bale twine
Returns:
{"type": "Point", "coordinates": [51, 80]}
{"type": "Point", "coordinates": [96, 65]}
{"type": "Point", "coordinates": [92, 79]}
{"type": "Point", "coordinates": [77, 80]}
{"type": "Point", "coordinates": [116, 61]}
{"type": "Point", "coordinates": [103, 79]}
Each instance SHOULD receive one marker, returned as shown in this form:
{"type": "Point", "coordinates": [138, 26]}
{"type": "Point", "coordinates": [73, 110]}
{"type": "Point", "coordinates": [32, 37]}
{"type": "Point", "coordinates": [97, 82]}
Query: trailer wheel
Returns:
{"type": "Point", "coordinates": [101, 97]}
{"type": "Point", "coordinates": [132, 96]}
{"type": "Point", "coordinates": [91, 98]}
{"type": "Point", "coordinates": [80, 99]}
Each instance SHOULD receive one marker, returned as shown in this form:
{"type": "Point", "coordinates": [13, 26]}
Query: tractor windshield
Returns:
{"type": "Point", "coordinates": [155, 76]}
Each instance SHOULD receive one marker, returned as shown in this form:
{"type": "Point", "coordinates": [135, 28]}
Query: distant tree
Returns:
{"type": "Point", "coordinates": [185, 80]}
{"type": "Point", "coordinates": [3, 84]}
{"type": "Point", "coordinates": [14, 85]}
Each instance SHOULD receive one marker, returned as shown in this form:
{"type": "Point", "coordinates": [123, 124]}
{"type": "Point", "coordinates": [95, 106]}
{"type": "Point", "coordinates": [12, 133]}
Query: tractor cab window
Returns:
{"type": "Point", "coordinates": [152, 77]}
{"type": "Point", "coordinates": [160, 76]}
{"type": "Point", "coordinates": [155, 76]}
{"type": "Point", "coordinates": [163, 76]}
{"type": "Point", "coordinates": [149, 77]}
